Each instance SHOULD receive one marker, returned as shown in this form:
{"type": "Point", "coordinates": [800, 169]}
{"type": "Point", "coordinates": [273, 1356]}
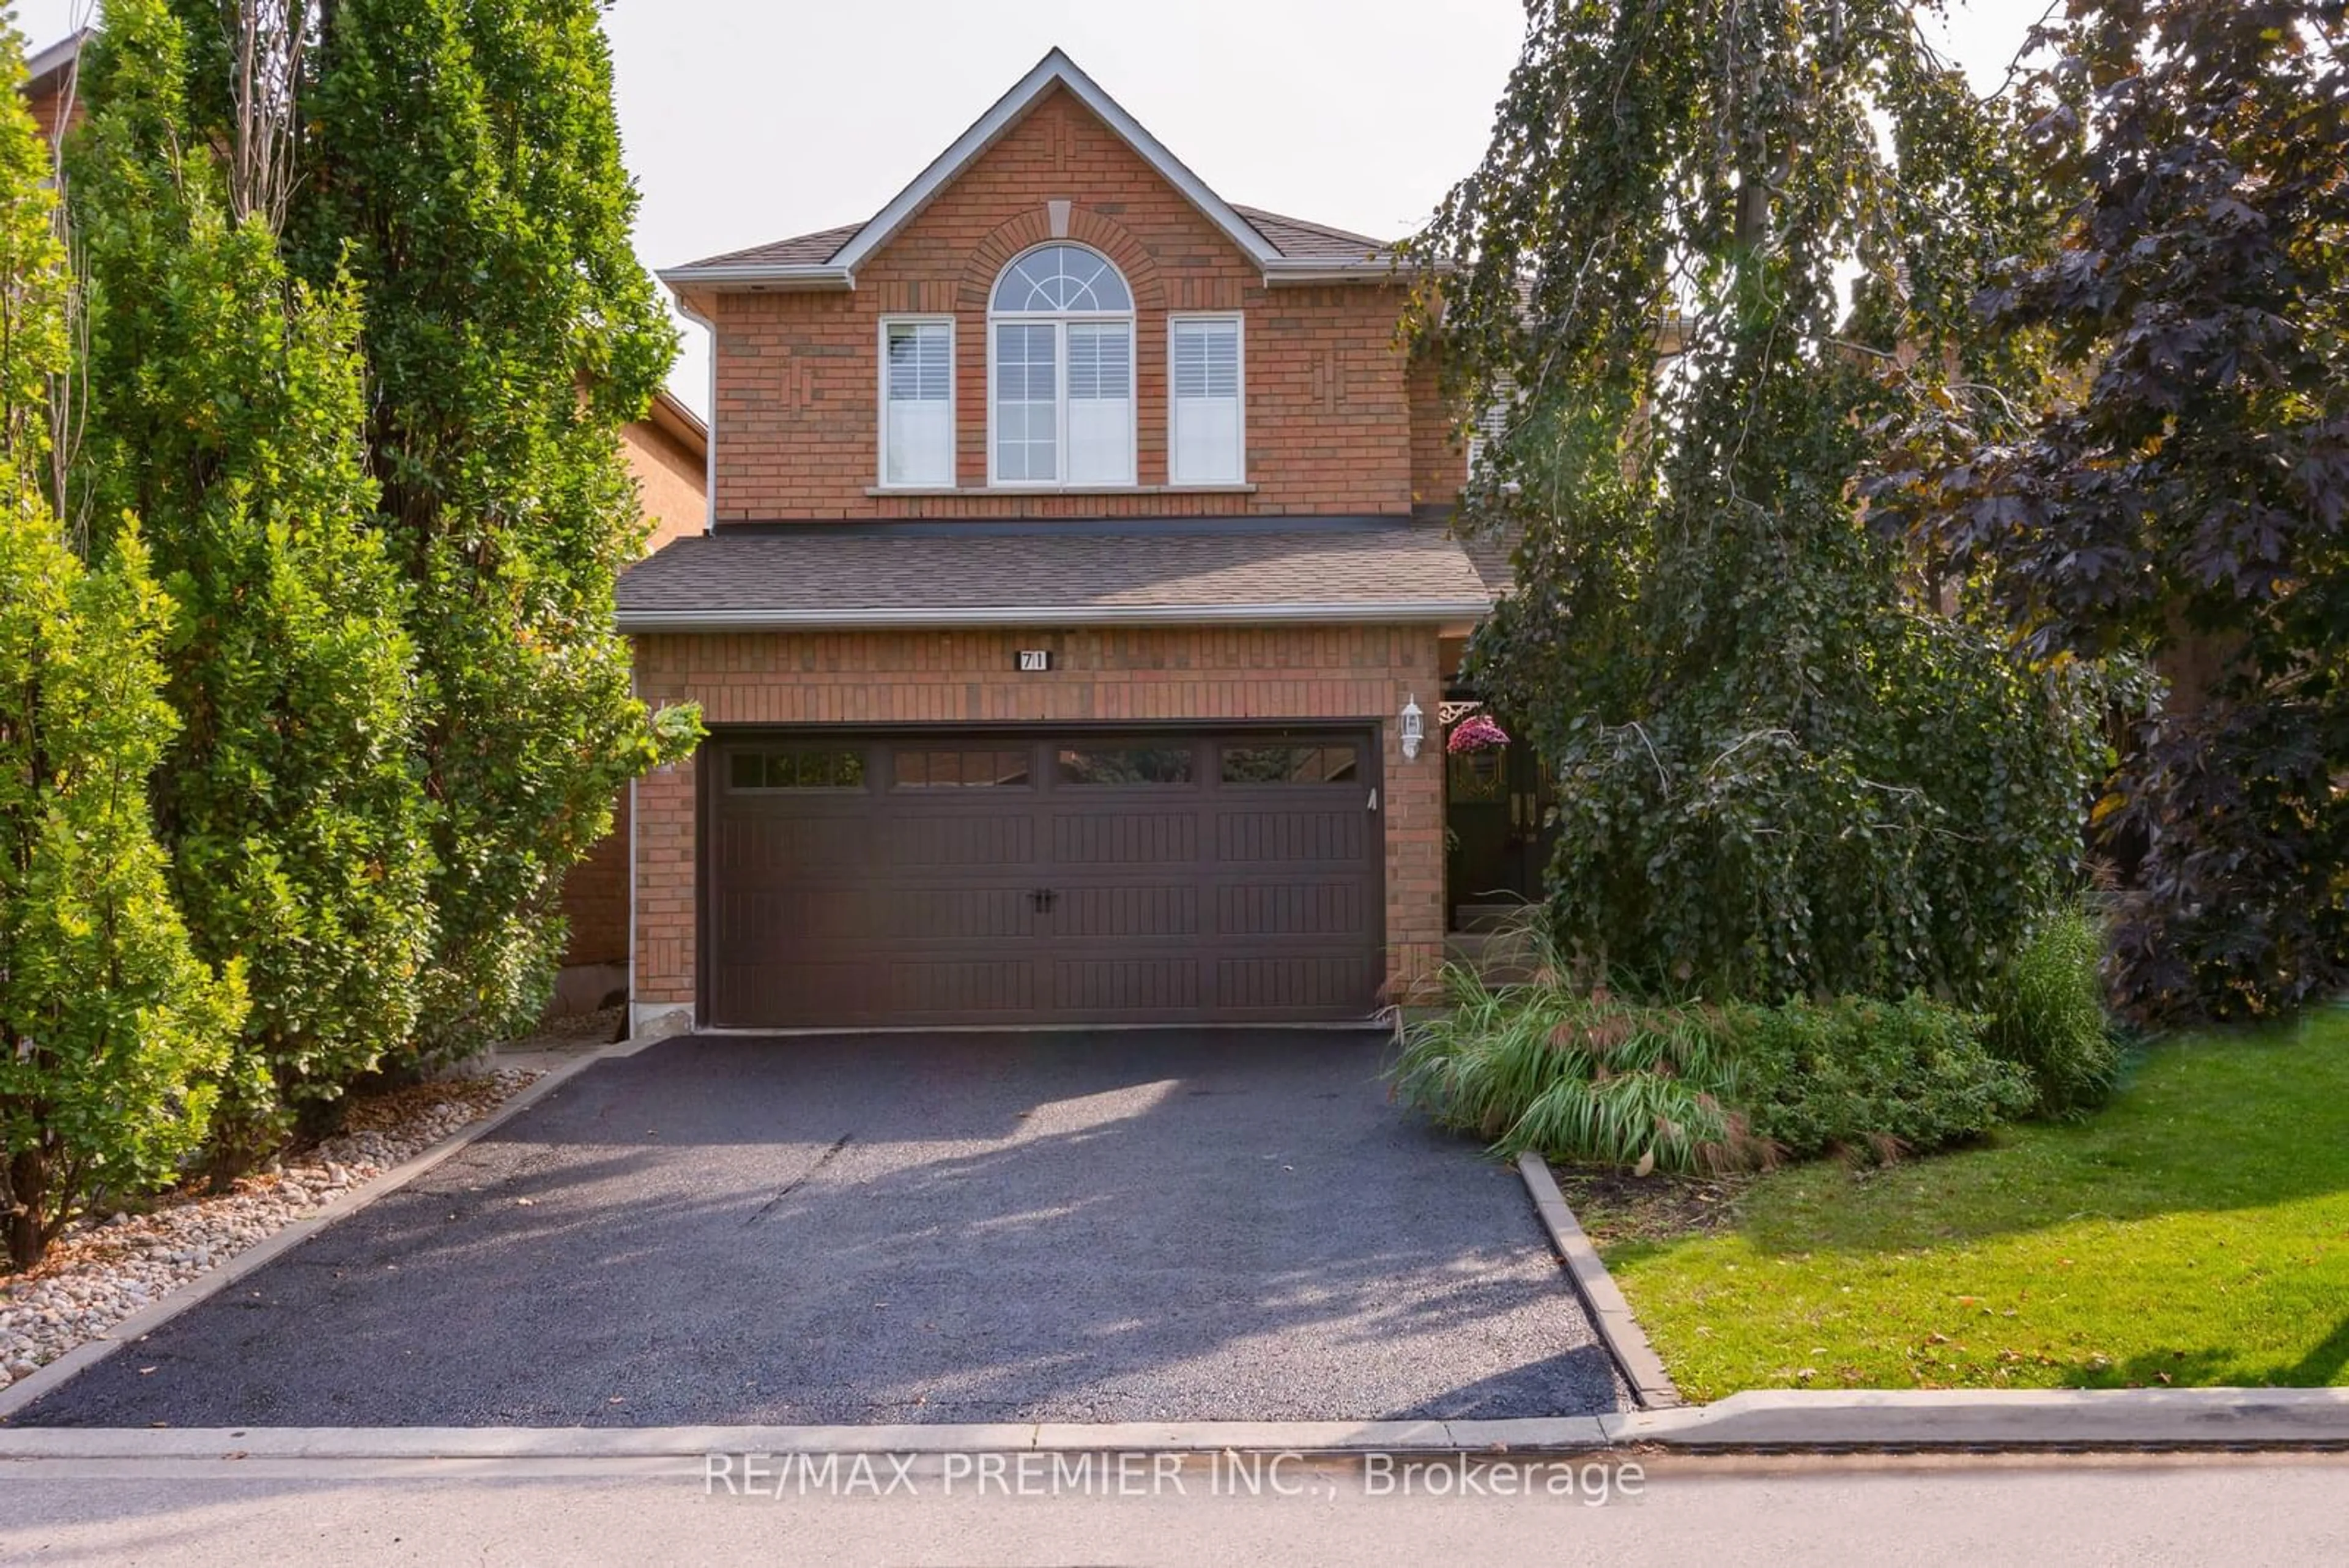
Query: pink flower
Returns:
{"type": "Point", "coordinates": [1476, 732]}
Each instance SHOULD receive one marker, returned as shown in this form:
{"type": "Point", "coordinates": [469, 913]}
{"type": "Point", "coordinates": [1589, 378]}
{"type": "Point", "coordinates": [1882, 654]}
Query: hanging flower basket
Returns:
{"type": "Point", "coordinates": [1476, 733]}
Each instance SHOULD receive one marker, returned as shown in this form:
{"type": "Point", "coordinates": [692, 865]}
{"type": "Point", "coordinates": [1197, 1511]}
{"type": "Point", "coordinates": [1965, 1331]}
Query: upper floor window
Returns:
{"type": "Point", "coordinates": [917, 400]}
{"type": "Point", "coordinates": [1061, 371]}
{"type": "Point", "coordinates": [1492, 420]}
{"type": "Point", "coordinates": [1203, 446]}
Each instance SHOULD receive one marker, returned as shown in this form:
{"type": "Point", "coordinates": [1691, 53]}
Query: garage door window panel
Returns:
{"type": "Point", "coordinates": [962, 769]}
{"type": "Point", "coordinates": [1116, 765]}
{"type": "Point", "coordinates": [1291, 764]}
{"type": "Point", "coordinates": [795, 768]}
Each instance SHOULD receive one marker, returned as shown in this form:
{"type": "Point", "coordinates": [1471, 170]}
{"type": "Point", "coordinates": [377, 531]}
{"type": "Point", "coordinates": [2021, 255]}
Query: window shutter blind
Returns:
{"type": "Point", "coordinates": [918, 440]}
{"type": "Point", "coordinates": [1205, 448]}
{"type": "Point", "coordinates": [1492, 423]}
{"type": "Point", "coordinates": [1100, 403]}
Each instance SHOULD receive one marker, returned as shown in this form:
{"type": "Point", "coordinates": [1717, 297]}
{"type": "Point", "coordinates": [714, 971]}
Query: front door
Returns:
{"type": "Point", "coordinates": [1498, 848]}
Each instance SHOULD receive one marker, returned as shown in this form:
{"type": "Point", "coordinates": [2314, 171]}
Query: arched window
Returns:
{"type": "Point", "coordinates": [1061, 370]}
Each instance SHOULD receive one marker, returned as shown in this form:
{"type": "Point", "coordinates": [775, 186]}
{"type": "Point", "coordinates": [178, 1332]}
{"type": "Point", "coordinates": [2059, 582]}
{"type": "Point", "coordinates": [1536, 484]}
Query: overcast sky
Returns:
{"type": "Point", "coordinates": [747, 120]}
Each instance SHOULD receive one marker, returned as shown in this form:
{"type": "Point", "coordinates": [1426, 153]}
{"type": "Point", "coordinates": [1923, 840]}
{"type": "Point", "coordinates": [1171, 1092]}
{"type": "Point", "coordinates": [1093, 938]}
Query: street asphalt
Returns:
{"type": "Point", "coordinates": [941, 1228]}
{"type": "Point", "coordinates": [1811, 1512]}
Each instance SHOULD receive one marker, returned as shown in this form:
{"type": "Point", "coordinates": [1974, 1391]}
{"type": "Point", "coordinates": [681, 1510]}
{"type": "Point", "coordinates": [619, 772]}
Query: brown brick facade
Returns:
{"type": "Point", "coordinates": [963, 678]}
{"type": "Point", "coordinates": [671, 480]}
{"type": "Point", "coordinates": [1438, 461]}
{"type": "Point", "coordinates": [595, 897]}
{"type": "Point", "coordinates": [668, 459]}
{"type": "Point", "coordinates": [1330, 423]}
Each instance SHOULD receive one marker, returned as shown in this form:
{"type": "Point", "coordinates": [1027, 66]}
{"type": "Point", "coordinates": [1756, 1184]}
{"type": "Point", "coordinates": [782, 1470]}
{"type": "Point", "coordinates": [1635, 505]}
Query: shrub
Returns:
{"type": "Point", "coordinates": [1535, 1067]}
{"type": "Point", "coordinates": [1597, 1080]}
{"type": "Point", "coordinates": [1864, 1077]}
{"type": "Point", "coordinates": [2048, 1016]}
{"type": "Point", "coordinates": [111, 1026]}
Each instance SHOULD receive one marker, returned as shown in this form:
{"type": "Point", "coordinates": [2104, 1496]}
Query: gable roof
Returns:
{"type": "Point", "coordinates": [44, 65]}
{"type": "Point", "coordinates": [1288, 248]}
{"type": "Point", "coordinates": [677, 421]}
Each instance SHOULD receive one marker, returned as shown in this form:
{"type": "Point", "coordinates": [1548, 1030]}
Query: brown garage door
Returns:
{"type": "Point", "coordinates": [1019, 879]}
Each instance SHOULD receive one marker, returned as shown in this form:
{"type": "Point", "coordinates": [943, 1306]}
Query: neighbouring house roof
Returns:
{"type": "Point", "coordinates": [1173, 571]}
{"type": "Point", "coordinates": [679, 423]}
{"type": "Point", "coordinates": [1286, 249]}
{"type": "Point", "coordinates": [44, 65]}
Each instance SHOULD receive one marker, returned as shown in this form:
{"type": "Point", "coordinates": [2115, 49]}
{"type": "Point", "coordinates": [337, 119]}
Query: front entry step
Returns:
{"type": "Point", "coordinates": [1499, 958]}
{"type": "Point", "coordinates": [1496, 915]}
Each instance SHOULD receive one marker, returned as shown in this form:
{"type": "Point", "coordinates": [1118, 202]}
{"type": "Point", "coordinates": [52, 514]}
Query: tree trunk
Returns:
{"type": "Point", "coordinates": [28, 1187]}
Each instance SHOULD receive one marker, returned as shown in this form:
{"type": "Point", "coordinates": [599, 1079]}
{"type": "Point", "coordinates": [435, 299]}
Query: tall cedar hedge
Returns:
{"type": "Point", "coordinates": [462, 165]}
{"type": "Point", "coordinates": [111, 1028]}
{"type": "Point", "coordinates": [225, 411]}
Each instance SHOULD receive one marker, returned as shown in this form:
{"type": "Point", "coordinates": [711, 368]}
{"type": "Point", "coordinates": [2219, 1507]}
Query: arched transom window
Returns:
{"type": "Point", "coordinates": [1058, 278]}
{"type": "Point", "coordinates": [1061, 370]}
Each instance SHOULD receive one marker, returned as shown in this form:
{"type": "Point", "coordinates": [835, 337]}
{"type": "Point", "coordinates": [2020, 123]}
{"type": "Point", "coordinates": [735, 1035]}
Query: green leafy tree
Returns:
{"type": "Point", "coordinates": [111, 1028]}
{"type": "Point", "coordinates": [2180, 489]}
{"type": "Point", "coordinates": [463, 160]}
{"type": "Point", "coordinates": [1711, 247]}
{"type": "Point", "coordinates": [226, 410]}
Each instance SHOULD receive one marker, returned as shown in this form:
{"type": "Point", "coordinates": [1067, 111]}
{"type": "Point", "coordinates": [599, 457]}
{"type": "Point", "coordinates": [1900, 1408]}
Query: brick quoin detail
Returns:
{"type": "Point", "coordinates": [1337, 421]}
{"type": "Point", "coordinates": [1204, 676]}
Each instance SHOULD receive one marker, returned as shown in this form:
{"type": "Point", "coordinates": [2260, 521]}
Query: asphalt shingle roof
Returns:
{"type": "Point", "coordinates": [815, 570]}
{"type": "Point", "coordinates": [1494, 554]}
{"type": "Point", "coordinates": [1299, 239]}
{"type": "Point", "coordinates": [1295, 238]}
{"type": "Point", "coordinates": [800, 249]}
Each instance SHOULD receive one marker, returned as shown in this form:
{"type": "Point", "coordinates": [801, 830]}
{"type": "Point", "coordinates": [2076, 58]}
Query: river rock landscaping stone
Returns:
{"type": "Point", "coordinates": [108, 1267]}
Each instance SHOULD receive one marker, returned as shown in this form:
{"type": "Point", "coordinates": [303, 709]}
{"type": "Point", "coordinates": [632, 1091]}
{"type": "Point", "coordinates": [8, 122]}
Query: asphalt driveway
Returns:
{"type": "Point", "coordinates": [1080, 1227]}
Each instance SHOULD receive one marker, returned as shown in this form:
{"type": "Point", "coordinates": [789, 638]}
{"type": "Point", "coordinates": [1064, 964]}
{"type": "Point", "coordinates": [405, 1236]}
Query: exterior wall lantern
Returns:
{"type": "Point", "coordinates": [1415, 727]}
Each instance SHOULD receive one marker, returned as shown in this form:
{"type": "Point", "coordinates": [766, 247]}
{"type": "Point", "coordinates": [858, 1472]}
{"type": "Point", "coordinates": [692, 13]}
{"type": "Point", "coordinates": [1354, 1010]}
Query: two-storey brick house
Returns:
{"type": "Point", "coordinates": [1068, 612]}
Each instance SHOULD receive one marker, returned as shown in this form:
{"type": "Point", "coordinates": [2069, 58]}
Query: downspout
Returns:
{"type": "Point", "coordinates": [708, 526]}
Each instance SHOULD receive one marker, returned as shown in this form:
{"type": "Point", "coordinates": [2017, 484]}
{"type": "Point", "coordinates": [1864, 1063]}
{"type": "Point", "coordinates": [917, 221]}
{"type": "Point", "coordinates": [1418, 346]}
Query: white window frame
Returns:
{"type": "Point", "coordinates": [1240, 333]}
{"type": "Point", "coordinates": [1492, 424]}
{"type": "Point", "coordinates": [880, 402]}
{"type": "Point", "coordinates": [1060, 322]}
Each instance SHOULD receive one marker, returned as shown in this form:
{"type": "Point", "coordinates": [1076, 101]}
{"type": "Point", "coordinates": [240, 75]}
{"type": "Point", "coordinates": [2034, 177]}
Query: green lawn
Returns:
{"type": "Point", "coordinates": [2197, 1231]}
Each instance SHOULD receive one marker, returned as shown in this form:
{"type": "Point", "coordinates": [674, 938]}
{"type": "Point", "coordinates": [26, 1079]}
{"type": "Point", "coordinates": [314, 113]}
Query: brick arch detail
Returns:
{"type": "Point", "coordinates": [1032, 228]}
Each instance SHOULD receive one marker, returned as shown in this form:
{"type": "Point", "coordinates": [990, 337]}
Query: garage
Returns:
{"type": "Point", "coordinates": [984, 876]}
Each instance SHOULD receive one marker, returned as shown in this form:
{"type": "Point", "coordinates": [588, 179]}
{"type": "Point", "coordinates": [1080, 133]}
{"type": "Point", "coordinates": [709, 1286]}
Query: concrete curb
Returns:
{"type": "Point", "coordinates": [1998, 1418]}
{"type": "Point", "coordinates": [65, 1368]}
{"type": "Point", "coordinates": [2024, 1420]}
{"type": "Point", "coordinates": [1610, 1314]}
{"type": "Point", "coordinates": [468, 1443]}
